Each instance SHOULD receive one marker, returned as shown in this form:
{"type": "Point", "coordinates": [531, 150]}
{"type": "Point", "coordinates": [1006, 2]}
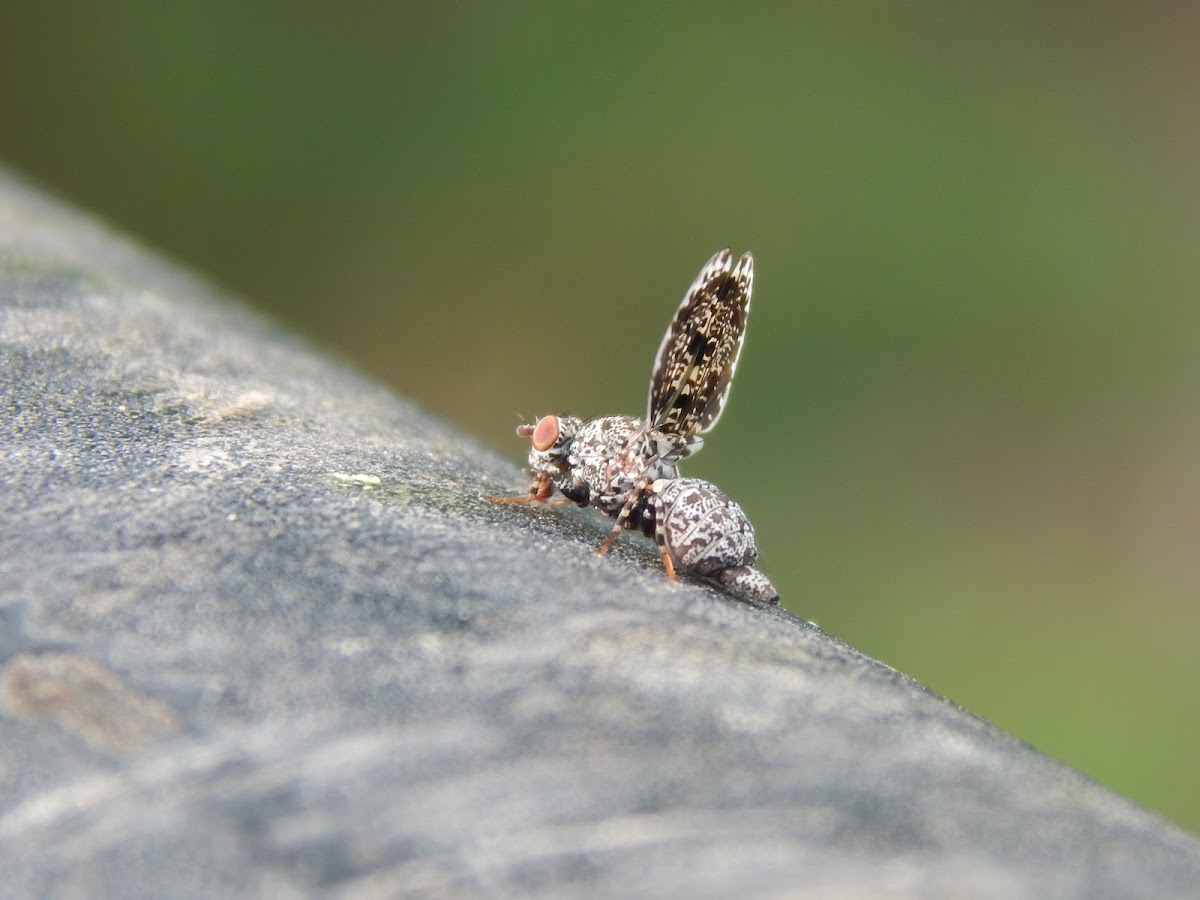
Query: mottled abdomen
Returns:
{"type": "Point", "coordinates": [705, 532]}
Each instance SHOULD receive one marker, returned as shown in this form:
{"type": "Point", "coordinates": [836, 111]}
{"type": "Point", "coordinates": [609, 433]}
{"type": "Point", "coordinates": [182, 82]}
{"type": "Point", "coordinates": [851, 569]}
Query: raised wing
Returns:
{"type": "Point", "coordinates": [699, 352]}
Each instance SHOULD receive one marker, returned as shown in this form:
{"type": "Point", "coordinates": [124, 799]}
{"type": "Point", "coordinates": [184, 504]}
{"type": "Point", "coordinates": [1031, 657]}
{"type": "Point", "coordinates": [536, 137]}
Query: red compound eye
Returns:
{"type": "Point", "coordinates": [546, 433]}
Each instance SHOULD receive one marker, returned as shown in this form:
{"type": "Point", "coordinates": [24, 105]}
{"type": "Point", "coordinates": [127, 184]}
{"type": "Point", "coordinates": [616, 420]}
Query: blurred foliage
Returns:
{"type": "Point", "coordinates": [965, 424]}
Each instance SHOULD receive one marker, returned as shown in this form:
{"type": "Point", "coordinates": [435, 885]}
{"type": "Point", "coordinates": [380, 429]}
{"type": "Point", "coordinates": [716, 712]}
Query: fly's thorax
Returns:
{"type": "Point", "coordinates": [597, 459]}
{"type": "Point", "coordinates": [704, 530]}
{"type": "Point", "coordinates": [604, 438]}
{"type": "Point", "coordinates": [611, 455]}
{"type": "Point", "coordinates": [638, 464]}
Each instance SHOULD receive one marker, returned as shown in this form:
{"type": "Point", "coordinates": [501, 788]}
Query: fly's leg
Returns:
{"type": "Point", "coordinates": [539, 492]}
{"type": "Point", "coordinates": [660, 533]}
{"type": "Point", "coordinates": [626, 510]}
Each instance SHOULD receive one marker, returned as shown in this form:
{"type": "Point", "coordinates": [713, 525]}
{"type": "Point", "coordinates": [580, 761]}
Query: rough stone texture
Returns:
{"type": "Point", "coordinates": [230, 664]}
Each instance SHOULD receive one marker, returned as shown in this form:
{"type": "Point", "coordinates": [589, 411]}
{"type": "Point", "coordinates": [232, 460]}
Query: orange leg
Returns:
{"type": "Point", "coordinates": [608, 541]}
{"type": "Point", "coordinates": [539, 492]}
{"type": "Point", "coordinates": [668, 565]}
{"type": "Point", "coordinates": [660, 534]}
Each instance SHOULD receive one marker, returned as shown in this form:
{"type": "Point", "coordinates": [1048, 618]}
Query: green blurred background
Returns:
{"type": "Point", "coordinates": [965, 423]}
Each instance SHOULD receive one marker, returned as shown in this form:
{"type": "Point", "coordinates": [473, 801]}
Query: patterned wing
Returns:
{"type": "Point", "coordinates": [699, 352]}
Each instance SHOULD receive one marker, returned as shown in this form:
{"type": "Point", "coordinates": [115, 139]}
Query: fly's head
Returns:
{"type": "Point", "coordinates": [550, 442]}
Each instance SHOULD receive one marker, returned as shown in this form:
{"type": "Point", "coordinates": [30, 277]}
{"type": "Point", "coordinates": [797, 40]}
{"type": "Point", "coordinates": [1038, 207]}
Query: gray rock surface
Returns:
{"type": "Point", "coordinates": [258, 637]}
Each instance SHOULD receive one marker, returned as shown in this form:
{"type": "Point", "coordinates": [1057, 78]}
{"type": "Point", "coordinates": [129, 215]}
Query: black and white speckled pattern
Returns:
{"type": "Point", "coordinates": [611, 462]}
{"type": "Point", "coordinates": [610, 455]}
{"type": "Point", "coordinates": [699, 353]}
{"type": "Point", "coordinates": [706, 533]}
